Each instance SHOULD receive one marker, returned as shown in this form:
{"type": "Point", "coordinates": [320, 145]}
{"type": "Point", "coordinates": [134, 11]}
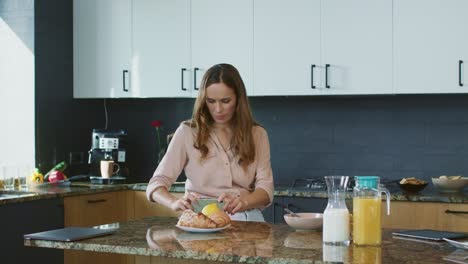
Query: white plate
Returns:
{"type": "Point", "coordinates": [457, 244]}
{"type": "Point", "coordinates": [202, 230]}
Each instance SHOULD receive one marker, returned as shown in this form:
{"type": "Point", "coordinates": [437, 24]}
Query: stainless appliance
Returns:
{"type": "Point", "coordinates": [108, 145]}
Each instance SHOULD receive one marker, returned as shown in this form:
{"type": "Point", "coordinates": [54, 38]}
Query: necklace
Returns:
{"type": "Point", "coordinates": [223, 141]}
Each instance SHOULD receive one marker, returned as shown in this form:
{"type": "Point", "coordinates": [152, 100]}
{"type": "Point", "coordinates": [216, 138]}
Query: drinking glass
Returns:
{"type": "Point", "coordinates": [23, 175]}
{"type": "Point", "coordinates": [9, 175]}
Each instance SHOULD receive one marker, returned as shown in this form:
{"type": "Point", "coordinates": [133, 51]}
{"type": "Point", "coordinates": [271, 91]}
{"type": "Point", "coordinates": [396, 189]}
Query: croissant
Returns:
{"type": "Point", "coordinates": [192, 219]}
{"type": "Point", "coordinates": [220, 218]}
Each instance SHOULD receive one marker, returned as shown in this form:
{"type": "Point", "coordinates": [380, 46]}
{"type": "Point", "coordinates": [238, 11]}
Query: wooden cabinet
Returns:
{"type": "Point", "coordinates": [430, 40]}
{"type": "Point", "coordinates": [419, 215]}
{"type": "Point", "coordinates": [323, 47]}
{"type": "Point", "coordinates": [102, 48]}
{"type": "Point", "coordinates": [91, 210]}
{"type": "Point", "coordinates": [144, 208]}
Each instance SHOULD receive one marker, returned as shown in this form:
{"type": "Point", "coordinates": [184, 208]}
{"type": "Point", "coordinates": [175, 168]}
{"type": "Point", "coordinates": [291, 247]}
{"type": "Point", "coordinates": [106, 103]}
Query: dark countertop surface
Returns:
{"type": "Point", "coordinates": [250, 242]}
{"type": "Point", "coordinates": [84, 188]}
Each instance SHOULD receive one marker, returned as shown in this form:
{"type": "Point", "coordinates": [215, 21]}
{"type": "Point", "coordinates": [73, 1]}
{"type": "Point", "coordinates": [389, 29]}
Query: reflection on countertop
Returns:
{"type": "Point", "coordinates": [251, 242]}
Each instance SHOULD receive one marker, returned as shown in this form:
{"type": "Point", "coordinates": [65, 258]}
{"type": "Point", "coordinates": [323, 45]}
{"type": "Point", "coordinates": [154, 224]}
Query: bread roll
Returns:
{"type": "Point", "coordinates": [220, 218]}
{"type": "Point", "coordinates": [192, 219]}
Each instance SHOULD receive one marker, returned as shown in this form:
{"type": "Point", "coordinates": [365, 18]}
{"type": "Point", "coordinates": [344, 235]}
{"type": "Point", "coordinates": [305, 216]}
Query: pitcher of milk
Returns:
{"type": "Point", "coordinates": [367, 200]}
{"type": "Point", "coordinates": [336, 215]}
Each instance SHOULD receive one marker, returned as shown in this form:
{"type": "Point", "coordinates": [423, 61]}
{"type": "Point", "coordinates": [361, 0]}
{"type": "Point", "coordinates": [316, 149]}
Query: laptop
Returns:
{"type": "Point", "coordinates": [70, 234]}
{"type": "Point", "coordinates": [430, 234]}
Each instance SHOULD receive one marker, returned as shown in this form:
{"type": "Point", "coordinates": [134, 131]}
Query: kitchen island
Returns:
{"type": "Point", "coordinates": [157, 240]}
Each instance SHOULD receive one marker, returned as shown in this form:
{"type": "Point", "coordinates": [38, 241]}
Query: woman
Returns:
{"type": "Point", "coordinates": [224, 153]}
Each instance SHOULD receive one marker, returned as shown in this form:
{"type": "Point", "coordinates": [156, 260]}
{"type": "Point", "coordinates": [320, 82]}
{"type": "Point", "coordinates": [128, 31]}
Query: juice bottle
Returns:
{"type": "Point", "coordinates": [367, 200]}
{"type": "Point", "coordinates": [367, 255]}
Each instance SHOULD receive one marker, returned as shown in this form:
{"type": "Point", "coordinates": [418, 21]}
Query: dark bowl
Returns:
{"type": "Point", "coordinates": [412, 188]}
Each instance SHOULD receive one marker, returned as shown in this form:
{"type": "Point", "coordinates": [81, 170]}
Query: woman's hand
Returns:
{"type": "Point", "coordinates": [233, 203]}
{"type": "Point", "coordinates": [185, 202]}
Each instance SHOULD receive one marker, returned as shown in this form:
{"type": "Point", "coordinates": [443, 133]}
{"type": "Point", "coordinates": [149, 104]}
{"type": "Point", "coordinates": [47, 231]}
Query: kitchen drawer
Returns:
{"type": "Point", "coordinates": [419, 215]}
{"type": "Point", "coordinates": [96, 209]}
{"type": "Point", "coordinates": [144, 208]}
{"type": "Point", "coordinates": [91, 210]}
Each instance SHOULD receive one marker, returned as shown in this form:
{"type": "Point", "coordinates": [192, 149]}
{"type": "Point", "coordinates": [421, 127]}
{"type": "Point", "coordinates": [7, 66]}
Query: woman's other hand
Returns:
{"type": "Point", "coordinates": [233, 203]}
{"type": "Point", "coordinates": [185, 202]}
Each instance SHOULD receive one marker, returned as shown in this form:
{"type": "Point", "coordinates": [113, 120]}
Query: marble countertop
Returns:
{"type": "Point", "coordinates": [84, 188]}
{"type": "Point", "coordinates": [249, 242]}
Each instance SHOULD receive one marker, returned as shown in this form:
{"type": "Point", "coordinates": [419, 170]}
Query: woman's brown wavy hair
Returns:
{"type": "Point", "coordinates": [242, 121]}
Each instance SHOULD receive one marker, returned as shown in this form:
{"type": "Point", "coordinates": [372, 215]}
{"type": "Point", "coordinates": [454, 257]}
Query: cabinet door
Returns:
{"type": "Point", "coordinates": [430, 39]}
{"type": "Point", "coordinates": [95, 209]}
{"type": "Point", "coordinates": [28, 217]}
{"type": "Point", "coordinates": [306, 204]}
{"type": "Point", "coordinates": [286, 46]}
{"type": "Point", "coordinates": [161, 48]}
{"type": "Point", "coordinates": [439, 216]}
{"type": "Point", "coordinates": [222, 32]}
{"type": "Point", "coordinates": [357, 46]}
{"type": "Point", "coordinates": [91, 210]}
{"type": "Point", "coordinates": [274, 213]}
{"type": "Point", "coordinates": [101, 48]}
{"type": "Point", "coordinates": [145, 208]}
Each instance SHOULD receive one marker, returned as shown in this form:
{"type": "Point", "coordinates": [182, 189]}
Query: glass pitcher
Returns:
{"type": "Point", "coordinates": [336, 215]}
{"type": "Point", "coordinates": [367, 200]}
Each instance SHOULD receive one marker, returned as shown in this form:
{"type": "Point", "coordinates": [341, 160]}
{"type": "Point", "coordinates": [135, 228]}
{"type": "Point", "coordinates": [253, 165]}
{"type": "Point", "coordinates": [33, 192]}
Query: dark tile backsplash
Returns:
{"type": "Point", "coordinates": [390, 136]}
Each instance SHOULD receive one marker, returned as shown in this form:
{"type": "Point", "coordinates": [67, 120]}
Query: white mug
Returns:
{"type": "Point", "coordinates": [109, 168]}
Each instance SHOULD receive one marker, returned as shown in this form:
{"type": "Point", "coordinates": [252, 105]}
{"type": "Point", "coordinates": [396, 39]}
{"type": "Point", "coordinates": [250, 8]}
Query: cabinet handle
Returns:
{"type": "Point", "coordinates": [195, 78]}
{"type": "Point", "coordinates": [182, 73]}
{"type": "Point", "coordinates": [274, 212]}
{"type": "Point", "coordinates": [326, 75]}
{"type": "Point", "coordinates": [97, 201]}
{"type": "Point", "coordinates": [455, 212]}
{"type": "Point", "coordinates": [312, 76]}
{"type": "Point", "coordinates": [124, 72]}
{"type": "Point", "coordinates": [460, 62]}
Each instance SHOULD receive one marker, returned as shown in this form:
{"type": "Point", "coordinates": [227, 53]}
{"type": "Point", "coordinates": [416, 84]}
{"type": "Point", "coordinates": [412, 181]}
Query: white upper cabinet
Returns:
{"type": "Point", "coordinates": [101, 48]}
{"type": "Point", "coordinates": [222, 32]}
{"type": "Point", "coordinates": [287, 47]}
{"type": "Point", "coordinates": [322, 47]}
{"type": "Point", "coordinates": [431, 38]}
{"type": "Point", "coordinates": [357, 46]}
{"type": "Point", "coordinates": [161, 48]}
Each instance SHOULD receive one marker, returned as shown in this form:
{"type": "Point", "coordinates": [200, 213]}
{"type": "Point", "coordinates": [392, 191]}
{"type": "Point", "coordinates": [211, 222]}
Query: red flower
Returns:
{"type": "Point", "coordinates": [156, 123]}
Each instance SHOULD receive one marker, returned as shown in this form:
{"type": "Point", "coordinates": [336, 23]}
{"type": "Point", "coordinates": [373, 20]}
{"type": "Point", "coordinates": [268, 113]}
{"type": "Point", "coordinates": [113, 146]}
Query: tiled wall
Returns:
{"type": "Point", "coordinates": [390, 136]}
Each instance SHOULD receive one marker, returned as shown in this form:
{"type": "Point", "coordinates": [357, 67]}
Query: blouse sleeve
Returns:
{"type": "Point", "coordinates": [171, 165]}
{"type": "Point", "coordinates": [264, 174]}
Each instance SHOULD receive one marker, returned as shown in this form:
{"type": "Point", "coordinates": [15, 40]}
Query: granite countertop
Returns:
{"type": "Point", "coordinates": [396, 195]}
{"type": "Point", "coordinates": [250, 242]}
{"type": "Point", "coordinates": [84, 188]}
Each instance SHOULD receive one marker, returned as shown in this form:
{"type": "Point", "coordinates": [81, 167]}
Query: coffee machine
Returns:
{"type": "Point", "coordinates": [108, 145]}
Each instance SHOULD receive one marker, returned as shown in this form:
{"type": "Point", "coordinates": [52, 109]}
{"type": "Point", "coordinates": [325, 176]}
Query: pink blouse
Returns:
{"type": "Point", "coordinates": [219, 172]}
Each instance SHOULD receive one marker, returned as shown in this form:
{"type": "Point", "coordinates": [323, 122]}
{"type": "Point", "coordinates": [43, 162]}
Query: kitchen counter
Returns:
{"type": "Point", "coordinates": [54, 191]}
{"type": "Point", "coordinates": [49, 192]}
{"type": "Point", "coordinates": [396, 195]}
{"type": "Point", "coordinates": [248, 242]}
